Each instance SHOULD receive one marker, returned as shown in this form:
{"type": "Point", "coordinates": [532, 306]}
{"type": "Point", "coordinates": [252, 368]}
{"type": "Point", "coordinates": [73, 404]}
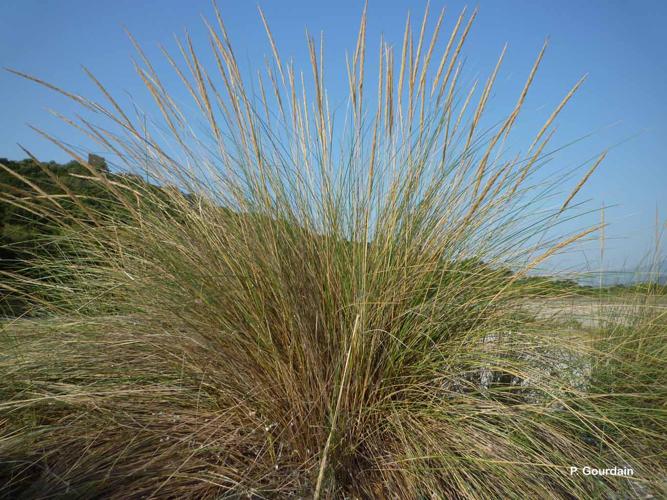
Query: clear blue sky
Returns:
{"type": "Point", "coordinates": [621, 45]}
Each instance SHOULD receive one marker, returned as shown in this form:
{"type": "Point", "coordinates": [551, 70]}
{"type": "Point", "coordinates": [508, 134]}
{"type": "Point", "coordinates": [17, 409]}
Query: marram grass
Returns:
{"type": "Point", "coordinates": [290, 302]}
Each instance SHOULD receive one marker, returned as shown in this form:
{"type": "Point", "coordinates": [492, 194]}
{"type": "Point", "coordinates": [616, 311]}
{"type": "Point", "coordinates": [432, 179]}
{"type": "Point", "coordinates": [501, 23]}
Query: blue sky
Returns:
{"type": "Point", "coordinates": [621, 45]}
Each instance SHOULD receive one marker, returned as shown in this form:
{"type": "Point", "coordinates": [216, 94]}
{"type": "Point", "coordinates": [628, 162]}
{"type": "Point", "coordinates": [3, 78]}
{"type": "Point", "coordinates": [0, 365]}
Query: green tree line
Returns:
{"type": "Point", "coordinates": [23, 233]}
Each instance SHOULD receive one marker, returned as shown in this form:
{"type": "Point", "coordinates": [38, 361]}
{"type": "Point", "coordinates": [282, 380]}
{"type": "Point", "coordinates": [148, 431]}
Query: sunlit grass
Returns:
{"type": "Point", "coordinates": [316, 305]}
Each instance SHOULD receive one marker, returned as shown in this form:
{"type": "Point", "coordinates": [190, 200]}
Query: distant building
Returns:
{"type": "Point", "coordinates": [97, 162]}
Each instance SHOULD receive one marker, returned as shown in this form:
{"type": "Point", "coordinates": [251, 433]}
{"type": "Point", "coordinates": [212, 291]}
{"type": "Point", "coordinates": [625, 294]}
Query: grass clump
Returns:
{"type": "Point", "coordinates": [305, 307]}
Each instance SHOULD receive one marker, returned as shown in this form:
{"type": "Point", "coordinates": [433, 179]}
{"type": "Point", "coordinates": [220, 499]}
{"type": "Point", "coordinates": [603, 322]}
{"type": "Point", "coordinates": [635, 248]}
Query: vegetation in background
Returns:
{"type": "Point", "coordinates": [26, 234]}
{"type": "Point", "coordinates": [20, 228]}
{"type": "Point", "coordinates": [316, 306]}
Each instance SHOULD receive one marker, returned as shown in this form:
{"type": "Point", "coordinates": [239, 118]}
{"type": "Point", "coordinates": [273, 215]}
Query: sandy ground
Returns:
{"type": "Point", "coordinates": [592, 312]}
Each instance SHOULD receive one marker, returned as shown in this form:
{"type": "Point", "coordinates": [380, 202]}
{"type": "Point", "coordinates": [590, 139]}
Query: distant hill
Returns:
{"type": "Point", "coordinates": [656, 273]}
{"type": "Point", "coordinates": [21, 230]}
